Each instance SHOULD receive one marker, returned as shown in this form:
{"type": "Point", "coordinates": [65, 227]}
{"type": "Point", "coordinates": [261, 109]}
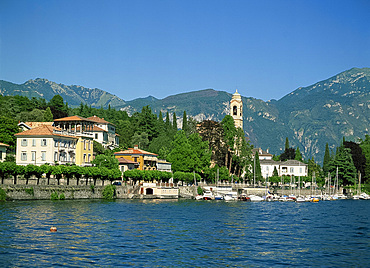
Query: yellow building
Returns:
{"type": "Point", "coordinates": [146, 160]}
{"type": "Point", "coordinates": [83, 129]}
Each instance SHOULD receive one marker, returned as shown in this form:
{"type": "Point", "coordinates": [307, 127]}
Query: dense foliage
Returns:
{"type": "Point", "coordinates": [202, 148]}
{"type": "Point", "coordinates": [11, 169]}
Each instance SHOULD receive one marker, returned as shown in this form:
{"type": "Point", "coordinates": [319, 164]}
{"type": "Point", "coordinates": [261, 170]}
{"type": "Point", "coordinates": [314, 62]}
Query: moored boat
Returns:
{"type": "Point", "coordinates": [255, 198]}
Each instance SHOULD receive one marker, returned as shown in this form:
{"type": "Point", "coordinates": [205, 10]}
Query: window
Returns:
{"type": "Point", "coordinates": [89, 146]}
{"type": "Point", "coordinates": [84, 144]}
{"type": "Point", "coordinates": [1, 155]}
{"type": "Point", "coordinates": [96, 136]}
{"type": "Point", "coordinates": [292, 170]}
{"type": "Point", "coordinates": [24, 156]}
{"type": "Point", "coordinates": [88, 158]}
{"type": "Point", "coordinates": [55, 143]}
{"type": "Point", "coordinates": [43, 142]}
{"type": "Point", "coordinates": [84, 159]}
{"type": "Point", "coordinates": [33, 142]}
{"type": "Point", "coordinates": [235, 110]}
{"type": "Point", "coordinates": [55, 156]}
{"type": "Point", "coordinates": [300, 171]}
{"type": "Point", "coordinates": [43, 156]}
{"type": "Point", "coordinates": [24, 142]}
{"type": "Point", "coordinates": [33, 156]}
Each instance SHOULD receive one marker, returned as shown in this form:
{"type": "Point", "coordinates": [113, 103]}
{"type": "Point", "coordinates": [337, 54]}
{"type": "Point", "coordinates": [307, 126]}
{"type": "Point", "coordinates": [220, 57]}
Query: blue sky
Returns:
{"type": "Point", "coordinates": [265, 49]}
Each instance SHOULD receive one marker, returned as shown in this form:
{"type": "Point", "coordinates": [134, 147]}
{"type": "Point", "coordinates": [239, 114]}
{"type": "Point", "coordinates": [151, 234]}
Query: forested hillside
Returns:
{"type": "Point", "coordinates": [309, 116]}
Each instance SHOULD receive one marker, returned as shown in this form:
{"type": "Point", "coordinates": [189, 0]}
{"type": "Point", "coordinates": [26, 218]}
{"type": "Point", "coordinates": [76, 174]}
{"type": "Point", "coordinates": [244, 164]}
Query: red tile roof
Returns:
{"type": "Point", "coordinates": [99, 120]}
{"type": "Point", "coordinates": [132, 151]}
{"type": "Point", "coordinates": [37, 124]}
{"type": "Point", "coordinates": [122, 160]}
{"type": "Point", "coordinates": [73, 118]}
{"type": "Point", "coordinates": [3, 144]}
{"type": "Point", "coordinates": [42, 131]}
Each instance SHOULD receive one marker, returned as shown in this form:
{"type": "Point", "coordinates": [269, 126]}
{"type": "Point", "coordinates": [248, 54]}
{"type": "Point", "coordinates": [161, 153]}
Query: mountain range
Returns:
{"type": "Point", "coordinates": [310, 117]}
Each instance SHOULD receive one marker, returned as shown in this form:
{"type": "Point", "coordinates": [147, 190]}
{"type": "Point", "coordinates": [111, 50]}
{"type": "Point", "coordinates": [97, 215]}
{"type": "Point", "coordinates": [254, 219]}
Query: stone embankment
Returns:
{"type": "Point", "coordinates": [43, 189]}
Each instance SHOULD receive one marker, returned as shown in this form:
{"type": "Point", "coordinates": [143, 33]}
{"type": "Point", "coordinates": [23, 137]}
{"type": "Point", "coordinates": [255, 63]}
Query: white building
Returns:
{"type": "Point", "coordinates": [262, 155]}
{"type": "Point", "coordinates": [287, 168]}
{"type": "Point", "coordinates": [105, 132]}
{"type": "Point", "coordinates": [42, 145]}
{"type": "Point", "coordinates": [163, 165]}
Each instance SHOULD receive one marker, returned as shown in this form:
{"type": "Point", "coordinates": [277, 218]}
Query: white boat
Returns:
{"type": "Point", "coordinates": [300, 199]}
{"type": "Point", "coordinates": [231, 196]}
{"type": "Point", "coordinates": [256, 198]}
{"type": "Point", "coordinates": [364, 196]}
{"type": "Point", "coordinates": [342, 196]}
{"type": "Point", "coordinates": [219, 197]}
{"type": "Point", "coordinates": [208, 195]}
{"type": "Point", "coordinates": [283, 198]}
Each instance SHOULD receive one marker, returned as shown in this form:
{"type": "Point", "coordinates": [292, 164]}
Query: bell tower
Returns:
{"type": "Point", "coordinates": [236, 109]}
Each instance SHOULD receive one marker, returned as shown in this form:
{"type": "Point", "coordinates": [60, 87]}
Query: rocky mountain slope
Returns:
{"type": "Point", "coordinates": [74, 95]}
{"type": "Point", "coordinates": [309, 116]}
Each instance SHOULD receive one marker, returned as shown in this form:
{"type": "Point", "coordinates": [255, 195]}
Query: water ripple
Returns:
{"type": "Point", "coordinates": [160, 233]}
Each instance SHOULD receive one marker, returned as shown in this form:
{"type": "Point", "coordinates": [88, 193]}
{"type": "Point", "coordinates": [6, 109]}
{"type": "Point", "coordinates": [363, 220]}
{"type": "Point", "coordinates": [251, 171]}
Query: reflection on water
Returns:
{"type": "Point", "coordinates": [172, 233]}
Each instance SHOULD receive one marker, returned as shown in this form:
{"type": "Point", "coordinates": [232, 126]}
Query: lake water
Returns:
{"type": "Point", "coordinates": [184, 233]}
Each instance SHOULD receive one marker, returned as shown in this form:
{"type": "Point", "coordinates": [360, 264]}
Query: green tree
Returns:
{"type": "Point", "coordinates": [36, 115]}
{"type": "Point", "coordinates": [287, 143]}
{"type": "Point", "coordinates": [213, 133]}
{"type": "Point", "coordinates": [57, 107]}
{"type": "Point", "coordinates": [147, 123]}
{"type": "Point", "coordinates": [181, 156]}
{"type": "Point", "coordinates": [359, 159]}
{"type": "Point", "coordinates": [142, 140]}
{"type": "Point", "coordinates": [161, 126]}
{"type": "Point", "coordinates": [202, 153]}
{"type": "Point", "coordinates": [106, 161]}
{"type": "Point", "coordinates": [326, 161]}
{"type": "Point", "coordinates": [8, 127]}
{"type": "Point", "coordinates": [98, 148]}
{"type": "Point", "coordinates": [189, 155]}
{"type": "Point", "coordinates": [161, 144]}
{"type": "Point", "coordinates": [314, 168]}
{"type": "Point", "coordinates": [229, 138]}
{"type": "Point", "coordinates": [365, 146]}
{"type": "Point", "coordinates": [174, 122]}
{"type": "Point", "coordinates": [242, 158]}
{"type": "Point", "coordinates": [346, 169]}
{"type": "Point", "coordinates": [257, 167]}
{"type": "Point", "coordinates": [288, 154]}
{"type": "Point", "coordinates": [298, 155]}
{"type": "Point", "coordinates": [185, 123]}
{"type": "Point", "coordinates": [48, 115]}
{"type": "Point", "coordinates": [168, 122]}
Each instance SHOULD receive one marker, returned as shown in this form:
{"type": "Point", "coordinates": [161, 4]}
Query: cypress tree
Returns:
{"type": "Point", "coordinates": [258, 166]}
{"type": "Point", "coordinates": [327, 158]}
{"type": "Point", "coordinates": [184, 122]}
{"type": "Point", "coordinates": [174, 122]}
{"type": "Point", "coordinates": [298, 155]}
{"type": "Point", "coordinates": [168, 123]}
{"type": "Point", "coordinates": [286, 143]}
